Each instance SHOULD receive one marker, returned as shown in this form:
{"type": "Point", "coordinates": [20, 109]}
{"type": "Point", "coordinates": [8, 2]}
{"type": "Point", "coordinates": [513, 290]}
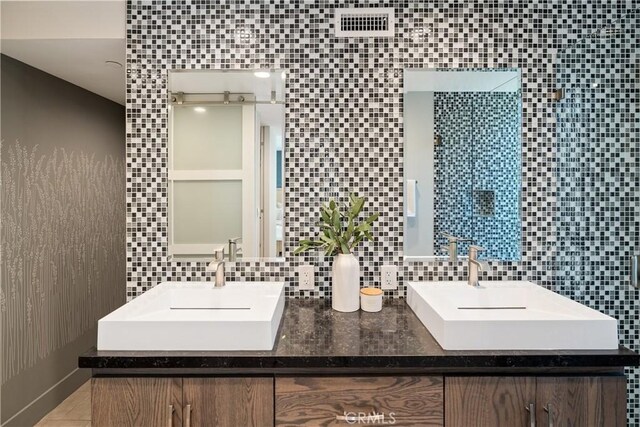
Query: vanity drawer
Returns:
{"type": "Point", "coordinates": [329, 401]}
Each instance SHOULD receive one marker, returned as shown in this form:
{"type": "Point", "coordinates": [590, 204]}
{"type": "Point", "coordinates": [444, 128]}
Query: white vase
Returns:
{"type": "Point", "coordinates": [345, 289]}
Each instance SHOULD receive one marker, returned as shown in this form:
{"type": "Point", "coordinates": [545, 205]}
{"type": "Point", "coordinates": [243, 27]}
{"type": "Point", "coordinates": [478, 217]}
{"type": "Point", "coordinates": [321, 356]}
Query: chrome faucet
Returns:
{"type": "Point", "coordinates": [217, 265]}
{"type": "Point", "coordinates": [475, 266]}
{"type": "Point", "coordinates": [452, 245]}
{"type": "Point", "coordinates": [233, 248]}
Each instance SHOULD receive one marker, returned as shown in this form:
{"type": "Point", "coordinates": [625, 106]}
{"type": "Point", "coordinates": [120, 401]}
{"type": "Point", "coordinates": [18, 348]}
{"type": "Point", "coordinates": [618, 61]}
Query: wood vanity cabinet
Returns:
{"type": "Point", "coordinates": [419, 400]}
{"type": "Point", "coordinates": [535, 401]}
{"type": "Point", "coordinates": [227, 401]}
{"type": "Point", "coordinates": [328, 401]}
{"type": "Point", "coordinates": [182, 402]}
{"type": "Point", "coordinates": [140, 402]}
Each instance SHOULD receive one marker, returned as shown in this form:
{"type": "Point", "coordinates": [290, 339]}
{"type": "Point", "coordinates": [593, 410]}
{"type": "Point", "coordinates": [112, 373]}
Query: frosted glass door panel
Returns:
{"type": "Point", "coordinates": [206, 212]}
{"type": "Point", "coordinates": [207, 137]}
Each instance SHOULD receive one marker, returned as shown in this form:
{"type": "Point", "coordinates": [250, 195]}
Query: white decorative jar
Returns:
{"type": "Point", "coordinates": [345, 287]}
{"type": "Point", "coordinates": [371, 299]}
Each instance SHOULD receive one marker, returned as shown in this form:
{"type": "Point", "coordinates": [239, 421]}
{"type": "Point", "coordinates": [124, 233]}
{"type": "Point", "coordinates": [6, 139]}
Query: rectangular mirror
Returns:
{"type": "Point", "coordinates": [226, 142]}
{"type": "Point", "coordinates": [462, 154]}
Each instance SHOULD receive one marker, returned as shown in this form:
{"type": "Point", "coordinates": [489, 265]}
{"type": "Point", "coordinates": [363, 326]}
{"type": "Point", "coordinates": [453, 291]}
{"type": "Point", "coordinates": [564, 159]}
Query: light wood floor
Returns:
{"type": "Point", "coordinates": [75, 411]}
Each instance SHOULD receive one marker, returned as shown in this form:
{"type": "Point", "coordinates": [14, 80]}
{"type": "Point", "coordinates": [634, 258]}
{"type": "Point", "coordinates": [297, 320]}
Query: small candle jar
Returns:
{"type": "Point", "coordinates": [371, 299]}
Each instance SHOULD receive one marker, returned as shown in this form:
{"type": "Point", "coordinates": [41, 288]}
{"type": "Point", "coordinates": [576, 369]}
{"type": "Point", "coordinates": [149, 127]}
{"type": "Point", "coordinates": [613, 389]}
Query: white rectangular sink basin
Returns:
{"type": "Point", "coordinates": [185, 316]}
{"type": "Point", "coordinates": [508, 316]}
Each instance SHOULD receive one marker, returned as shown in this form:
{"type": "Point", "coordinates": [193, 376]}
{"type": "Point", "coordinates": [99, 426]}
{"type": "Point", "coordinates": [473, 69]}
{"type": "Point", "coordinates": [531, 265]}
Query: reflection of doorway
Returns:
{"type": "Point", "coordinates": [212, 176]}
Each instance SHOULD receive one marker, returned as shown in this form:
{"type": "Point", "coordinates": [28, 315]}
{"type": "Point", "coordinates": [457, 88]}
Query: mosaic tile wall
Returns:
{"type": "Point", "coordinates": [344, 121]}
{"type": "Point", "coordinates": [477, 171]}
{"type": "Point", "coordinates": [598, 169]}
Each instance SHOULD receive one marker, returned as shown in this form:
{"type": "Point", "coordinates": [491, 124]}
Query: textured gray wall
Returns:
{"type": "Point", "coordinates": [63, 228]}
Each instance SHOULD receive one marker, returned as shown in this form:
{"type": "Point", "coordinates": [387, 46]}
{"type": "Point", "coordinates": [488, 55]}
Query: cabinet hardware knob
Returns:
{"type": "Point", "coordinates": [171, 411]}
{"type": "Point", "coordinates": [549, 410]}
{"type": "Point", "coordinates": [531, 409]}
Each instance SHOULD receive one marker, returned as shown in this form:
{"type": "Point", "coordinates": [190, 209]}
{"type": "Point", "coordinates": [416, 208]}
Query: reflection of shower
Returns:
{"type": "Point", "coordinates": [593, 72]}
{"type": "Point", "coordinates": [606, 32]}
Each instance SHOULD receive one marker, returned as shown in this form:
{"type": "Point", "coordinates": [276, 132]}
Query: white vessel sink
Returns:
{"type": "Point", "coordinates": [196, 316]}
{"type": "Point", "coordinates": [508, 316]}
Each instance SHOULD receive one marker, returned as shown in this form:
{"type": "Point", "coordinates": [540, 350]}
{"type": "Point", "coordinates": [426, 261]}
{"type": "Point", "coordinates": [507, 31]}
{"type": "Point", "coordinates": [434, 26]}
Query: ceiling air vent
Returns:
{"type": "Point", "coordinates": [364, 22]}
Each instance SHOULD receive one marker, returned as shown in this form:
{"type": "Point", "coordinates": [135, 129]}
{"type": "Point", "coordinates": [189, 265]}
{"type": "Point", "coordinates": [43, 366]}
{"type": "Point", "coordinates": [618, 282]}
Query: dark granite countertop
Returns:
{"type": "Point", "coordinates": [314, 338]}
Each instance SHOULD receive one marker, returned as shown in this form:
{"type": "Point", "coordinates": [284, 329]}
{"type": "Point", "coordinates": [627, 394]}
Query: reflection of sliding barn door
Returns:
{"type": "Point", "coordinates": [212, 179]}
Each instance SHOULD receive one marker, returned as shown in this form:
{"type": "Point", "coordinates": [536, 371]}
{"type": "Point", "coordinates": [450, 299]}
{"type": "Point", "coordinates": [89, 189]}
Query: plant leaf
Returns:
{"type": "Point", "coordinates": [370, 220]}
{"type": "Point", "coordinates": [350, 230]}
{"type": "Point", "coordinates": [336, 221]}
{"type": "Point", "coordinates": [324, 214]}
{"type": "Point", "coordinates": [356, 208]}
{"type": "Point", "coordinates": [364, 227]}
{"type": "Point", "coordinates": [300, 249]}
{"type": "Point", "coordinates": [336, 236]}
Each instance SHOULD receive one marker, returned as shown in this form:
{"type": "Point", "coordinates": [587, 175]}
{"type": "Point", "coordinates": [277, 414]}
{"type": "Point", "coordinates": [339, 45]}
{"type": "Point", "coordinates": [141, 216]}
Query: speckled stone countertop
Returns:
{"type": "Point", "coordinates": [313, 338]}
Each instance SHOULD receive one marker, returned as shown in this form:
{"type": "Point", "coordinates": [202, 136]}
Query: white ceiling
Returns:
{"type": "Point", "coordinates": [461, 81]}
{"type": "Point", "coordinates": [69, 39]}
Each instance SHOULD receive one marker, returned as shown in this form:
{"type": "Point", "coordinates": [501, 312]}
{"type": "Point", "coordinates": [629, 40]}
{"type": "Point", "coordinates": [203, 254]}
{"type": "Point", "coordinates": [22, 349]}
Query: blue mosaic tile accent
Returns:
{"type": "Point", "coordinates": [477, 170]}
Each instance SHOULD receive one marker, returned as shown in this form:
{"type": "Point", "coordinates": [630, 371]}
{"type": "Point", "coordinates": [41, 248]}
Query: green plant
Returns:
{"type": "Point", "coordinates": [339, 232]}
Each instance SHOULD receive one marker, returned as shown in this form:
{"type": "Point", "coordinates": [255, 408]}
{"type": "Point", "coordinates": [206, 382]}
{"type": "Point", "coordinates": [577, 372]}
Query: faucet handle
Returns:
{"type": "Point", "coordinates": [218, 255]}
{"type": "Point", "coordinates": [235, 239]}
{"type": "Point", "coordinates": [474, 249]}
{"type": "Point", "coordinates": [449, 237]}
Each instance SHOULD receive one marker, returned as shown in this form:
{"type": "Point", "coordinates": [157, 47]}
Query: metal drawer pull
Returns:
{"type": "Point", "coordinates": [187, 417]}
{"type": "Point", "coordinates": [171, 411]}
{"type": "Point", "coordinates": [531, 409]}
{"type": "Point", "coordinates": [548, 410]}
{"type": "Point", "coordinates": [354, 418]}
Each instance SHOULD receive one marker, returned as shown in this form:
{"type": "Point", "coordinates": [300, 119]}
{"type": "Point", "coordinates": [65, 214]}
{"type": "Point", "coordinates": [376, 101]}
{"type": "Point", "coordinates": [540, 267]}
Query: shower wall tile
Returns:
{"type": "Point", "coordinates": [598, 170]}
{"type": "Point", "coordinates": [477, 171]}
{"type": "Point", "coordinates": [344, 124]}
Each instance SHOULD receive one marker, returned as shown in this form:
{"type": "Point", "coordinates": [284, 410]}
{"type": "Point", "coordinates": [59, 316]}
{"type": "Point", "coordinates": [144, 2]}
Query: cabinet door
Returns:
{"type": "Point", "coordinates": [582, 401]}
{"type": "Point", "coordinates": [489, 401]}
{"type": "Point", "coordinates": [136, 402]}
{"type": "Point", "coordinates": [232, 402]}
{"type": "Point", "coordinates": [329, 401]}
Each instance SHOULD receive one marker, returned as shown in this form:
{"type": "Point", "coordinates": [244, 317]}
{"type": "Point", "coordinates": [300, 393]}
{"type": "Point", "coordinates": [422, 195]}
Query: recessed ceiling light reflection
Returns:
{"type": "Point", "coordinates": [262, 74]}
{"type": "Point", "coordinates": [200, 110]}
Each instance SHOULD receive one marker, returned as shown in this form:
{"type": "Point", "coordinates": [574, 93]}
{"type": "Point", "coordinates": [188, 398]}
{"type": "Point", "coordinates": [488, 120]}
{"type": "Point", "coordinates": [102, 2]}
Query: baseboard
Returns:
{"type": "Point", "coordinates": [43, 404]}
